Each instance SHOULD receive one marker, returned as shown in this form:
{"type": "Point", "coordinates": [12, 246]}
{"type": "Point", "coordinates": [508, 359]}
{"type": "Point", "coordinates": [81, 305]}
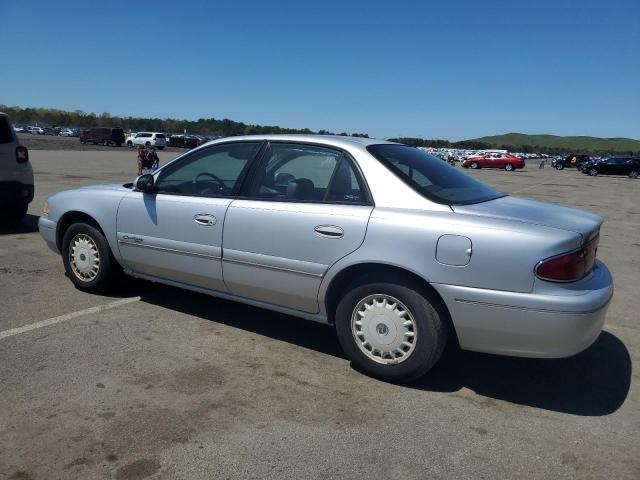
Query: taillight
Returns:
{"type": "Point", "coordinates": [571, 266]}
{"type": "Point", "coordinates": [22, 154]}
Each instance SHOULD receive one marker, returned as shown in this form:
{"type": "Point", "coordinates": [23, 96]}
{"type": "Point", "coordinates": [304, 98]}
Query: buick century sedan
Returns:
{"type": "Point", "coordinates": [396, 249]}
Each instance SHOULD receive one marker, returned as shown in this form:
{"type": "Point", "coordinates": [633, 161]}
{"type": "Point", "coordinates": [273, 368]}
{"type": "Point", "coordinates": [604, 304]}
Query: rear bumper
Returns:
{"type": "Point", "coordinates": [16, 192]}
{"type": "Point", "coordinates": [48, 229]}
{"type": "Point", "coordinates": [544, 325]}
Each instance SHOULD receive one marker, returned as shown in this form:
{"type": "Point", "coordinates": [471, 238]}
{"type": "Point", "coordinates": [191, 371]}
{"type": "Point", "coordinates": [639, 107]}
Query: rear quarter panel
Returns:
{"type": "Point", "coordinates": [504, 253]}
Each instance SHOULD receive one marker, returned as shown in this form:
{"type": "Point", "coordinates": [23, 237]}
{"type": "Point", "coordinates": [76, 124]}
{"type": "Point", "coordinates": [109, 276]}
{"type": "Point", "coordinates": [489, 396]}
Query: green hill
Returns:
{"type": "Point", "coordinates": [522, 141]}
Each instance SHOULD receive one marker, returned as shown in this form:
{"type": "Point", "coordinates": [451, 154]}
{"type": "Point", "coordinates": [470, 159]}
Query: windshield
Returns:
{"type": "Point", "coordinates": [431, 176]}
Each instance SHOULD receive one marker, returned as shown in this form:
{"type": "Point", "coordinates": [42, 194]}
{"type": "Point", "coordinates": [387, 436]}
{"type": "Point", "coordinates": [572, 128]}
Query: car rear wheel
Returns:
{"type": "Point", "coordinates": [633, 174]}
{"type": "Point", "coordinates": [391, 331]}
{"type": "Point", "coordinates": [508, 167]}
{"type": "Point", "coordinates": [559, 166]}
{"type": "Point", "coordinates": [130, 144]}
{"type": "Point", "coordinates": [474, 165]}
{"type": "Point", "coordinates": [148, 144]}
{"type": "Point", "coordinates": [87, 258]}
{"type": "Point", "coordinates": [593, 172]}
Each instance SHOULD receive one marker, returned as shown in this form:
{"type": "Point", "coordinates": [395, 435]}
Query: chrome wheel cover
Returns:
{"type": "Point", "coordinates": [84, 257]}
{"type": "Point", "coordinates": [384, 329]}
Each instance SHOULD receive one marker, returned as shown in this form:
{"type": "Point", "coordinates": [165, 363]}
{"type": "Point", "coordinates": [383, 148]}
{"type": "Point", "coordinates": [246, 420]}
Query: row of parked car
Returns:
{"type": "Point", "coordinates": [117, 137]}
{"type": "Point", "coordinates": [612, 165]}
{"type": "Point", "coordinates": [55, 131]}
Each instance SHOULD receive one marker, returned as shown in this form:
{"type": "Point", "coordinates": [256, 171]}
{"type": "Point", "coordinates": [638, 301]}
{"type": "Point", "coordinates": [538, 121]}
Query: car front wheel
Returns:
{"type": "Point", "coordinates": [593, 172]}
{"type": "Point", "coordinates": [474, 165]}
{"type": "Point", "coordinates": [633, 174]}
{"type": "Point", "coordinates": [508, 167]}
{"type": "Point", "coordinates": [391, 331]}
{"type": "Point", "coordinates": [87, 259]}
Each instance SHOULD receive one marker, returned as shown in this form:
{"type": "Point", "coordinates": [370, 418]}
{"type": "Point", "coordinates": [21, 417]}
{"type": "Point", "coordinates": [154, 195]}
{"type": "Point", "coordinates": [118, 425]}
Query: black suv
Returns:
{"type": "Point", "coordinates": [102, 135]}
{"type": "Point", "coordinates": [614, 166]}
{"type": "Point", "coordinates": [570, 161]}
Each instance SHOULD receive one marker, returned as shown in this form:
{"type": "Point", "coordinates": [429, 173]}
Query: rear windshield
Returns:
{"type": "Point", "coordinates": [431, 176]}
{"type": "Point", "coordinates": [159, 135]}
{"type": "Point", "coordinates": [6, 131]}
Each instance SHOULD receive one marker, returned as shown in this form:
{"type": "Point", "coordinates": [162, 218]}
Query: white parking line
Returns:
{"type": "Point", "coordinates": [67, 316]}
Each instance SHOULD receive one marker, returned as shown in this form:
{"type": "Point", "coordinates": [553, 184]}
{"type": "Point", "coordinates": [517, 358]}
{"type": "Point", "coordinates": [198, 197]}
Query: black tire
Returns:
{"type": "Point", "coordinates": [429, 318]}
{"type": "Point", "coordinates": [108, 268]}
{"type": "Point", "coordinates": [633, 174]}
{"type": "Point", "coordinates": [508, 167]}
{"type": "Point", "coordinates": [559, 166]}
{"type": "Point", "coordinates": [130, 144]}
{"type": "Point", "coordinates": [83, 142]}
{"type": "Point", "coordinates": [147, 144]}
{"type": "Point", "coordinates": [593, 172]}
{"type": "Point", "coordinates": [474, 165]}
{"type": "Point", "coordinates": [14, 213]}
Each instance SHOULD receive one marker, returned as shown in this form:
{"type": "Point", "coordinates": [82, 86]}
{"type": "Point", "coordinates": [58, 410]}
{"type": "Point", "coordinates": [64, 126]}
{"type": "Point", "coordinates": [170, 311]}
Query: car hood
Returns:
{"type": "Point", "coordinates": [538, 213]}
{"type": "Point", "coordinates": [109, 186]}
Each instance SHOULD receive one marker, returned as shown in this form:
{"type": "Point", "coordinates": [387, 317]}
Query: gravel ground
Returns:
{"type": "Point", "coordinates": [175, 384]}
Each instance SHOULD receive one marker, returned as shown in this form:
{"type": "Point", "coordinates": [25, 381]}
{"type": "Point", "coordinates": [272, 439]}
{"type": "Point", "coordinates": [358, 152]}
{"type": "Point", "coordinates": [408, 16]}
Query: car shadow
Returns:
{"type": "Point", "coordinates": [593, 383]}
{"type": "Point", "coordinates": [29, 224]}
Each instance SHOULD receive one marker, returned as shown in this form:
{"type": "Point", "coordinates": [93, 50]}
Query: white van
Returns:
{"type": "Point", "coordinates": [16, 174]}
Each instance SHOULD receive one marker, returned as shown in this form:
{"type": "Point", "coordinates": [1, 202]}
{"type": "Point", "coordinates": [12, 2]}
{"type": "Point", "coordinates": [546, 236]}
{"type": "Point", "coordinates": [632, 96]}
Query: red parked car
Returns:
{"type": "Point", "coordinates": [495, 160]}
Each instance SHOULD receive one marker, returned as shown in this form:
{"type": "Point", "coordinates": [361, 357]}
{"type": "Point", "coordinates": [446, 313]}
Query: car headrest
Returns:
{"type": "Point", "coordinates": [300, 189]}
{"type": "Point", "coordinates": [283, 178]}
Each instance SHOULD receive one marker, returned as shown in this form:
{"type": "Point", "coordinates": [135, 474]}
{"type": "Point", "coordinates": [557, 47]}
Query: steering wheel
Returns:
{"type": "Point", "coordinates": [220, 183]}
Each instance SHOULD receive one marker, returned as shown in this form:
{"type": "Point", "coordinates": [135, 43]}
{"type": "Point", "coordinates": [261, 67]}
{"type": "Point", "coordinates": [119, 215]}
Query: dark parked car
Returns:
{"type": "Point", "coordinates": [570, 161]}
{"type": "Point", "coordinates": [102, 135]}
{"type": "Point", "coordinates": [614, 166]}
{"type": "Point", "coordinates": [183, 141]}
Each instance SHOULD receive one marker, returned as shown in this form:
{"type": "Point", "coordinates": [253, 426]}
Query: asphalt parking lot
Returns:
{"type": "Point", "coordinates": [156, 382]}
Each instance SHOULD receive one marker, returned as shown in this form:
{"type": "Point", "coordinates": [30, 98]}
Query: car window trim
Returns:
{"type": "Point", "coordinates": [241, 177]}
{"type": "Point", "coordinates": [251, 176]}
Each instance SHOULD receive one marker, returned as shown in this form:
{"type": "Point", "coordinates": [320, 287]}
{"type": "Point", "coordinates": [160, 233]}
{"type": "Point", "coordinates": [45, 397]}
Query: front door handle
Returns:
{"type": "Point", "coordinates": [205, 219]}
{"type": "Point", "coordinates": [329, 231]}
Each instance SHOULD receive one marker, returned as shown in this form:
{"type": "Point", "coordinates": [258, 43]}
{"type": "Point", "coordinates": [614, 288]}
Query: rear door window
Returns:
{"type": "Point", "coordinates": [306, 173]}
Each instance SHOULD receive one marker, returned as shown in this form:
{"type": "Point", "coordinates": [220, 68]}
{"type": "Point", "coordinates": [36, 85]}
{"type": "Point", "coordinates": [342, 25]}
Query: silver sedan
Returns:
{"type": "Point", "coordinates": [397, 249]}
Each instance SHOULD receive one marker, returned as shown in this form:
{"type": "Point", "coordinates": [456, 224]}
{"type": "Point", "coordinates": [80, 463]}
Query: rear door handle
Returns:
{"type": "Point", "coordinates": [205, 219]}
{"type": "Point", "coordinates": [329, 231]}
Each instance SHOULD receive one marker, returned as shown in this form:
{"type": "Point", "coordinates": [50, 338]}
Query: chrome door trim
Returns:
{"type": "Point", "coordinates": [171, 250]}
{"type": "Point", "coordinates": [271, 262]}
{"type": "Point", "coordinates": [272, 267]}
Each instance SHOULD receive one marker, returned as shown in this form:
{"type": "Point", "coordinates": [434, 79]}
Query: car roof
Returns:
{"type": "Point", "coordinates": [334, 140]}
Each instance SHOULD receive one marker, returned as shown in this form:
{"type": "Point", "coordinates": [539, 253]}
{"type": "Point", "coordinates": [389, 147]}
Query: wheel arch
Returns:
{"type": "Point", "coordinates": [71, 217]}
{"type": "Point", "coordinates": [384, 272]}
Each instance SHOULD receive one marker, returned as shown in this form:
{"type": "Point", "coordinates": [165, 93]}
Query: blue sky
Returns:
{"type": "Point", "coordinates": [436, 69]}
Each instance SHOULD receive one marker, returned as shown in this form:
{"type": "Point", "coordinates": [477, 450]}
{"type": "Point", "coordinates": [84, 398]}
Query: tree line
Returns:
{"type": "Point", "coordinates": [204, 126]}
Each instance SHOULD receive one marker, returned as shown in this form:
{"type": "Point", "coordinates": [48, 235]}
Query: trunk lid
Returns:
{"type": "Point", "coordinates": [537, 213]}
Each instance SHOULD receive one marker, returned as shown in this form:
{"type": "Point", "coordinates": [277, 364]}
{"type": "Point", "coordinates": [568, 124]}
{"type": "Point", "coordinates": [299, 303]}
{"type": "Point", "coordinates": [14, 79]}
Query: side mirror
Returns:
{"type": "Point", "coordinates": [145, 183]}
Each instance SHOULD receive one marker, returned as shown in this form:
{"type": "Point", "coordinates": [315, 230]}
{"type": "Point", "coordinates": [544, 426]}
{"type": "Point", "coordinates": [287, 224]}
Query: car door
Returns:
{"type": "Point", "coordinates": [175, 233]}
{"type": "Point", "coordinates": [303, 208]}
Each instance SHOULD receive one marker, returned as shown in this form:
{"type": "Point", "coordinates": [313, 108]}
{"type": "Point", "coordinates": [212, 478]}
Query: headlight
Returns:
{"type": "Point", "coordinates": [46, 208]}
